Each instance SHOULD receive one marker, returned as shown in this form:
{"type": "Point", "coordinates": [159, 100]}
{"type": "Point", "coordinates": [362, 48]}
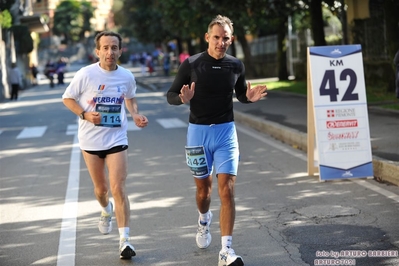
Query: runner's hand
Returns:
{"type": "Point", "coordinates": [140, 120]}
{"type": "Point", "coordinates": [94, 117]}
{"type": "Point", "coordinates": [187, 93]}
{"type": "Point", "coordinates": [256, 93]}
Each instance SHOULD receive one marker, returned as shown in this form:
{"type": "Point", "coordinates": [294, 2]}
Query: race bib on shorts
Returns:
{"type": "Point", "coordinates": [196, 161]}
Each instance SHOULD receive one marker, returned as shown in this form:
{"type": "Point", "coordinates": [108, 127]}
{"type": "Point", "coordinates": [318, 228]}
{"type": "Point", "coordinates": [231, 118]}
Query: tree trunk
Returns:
{"type": "Point", "coordinates": [344, 22]}
{"type": "Point", "coordinates": [250, 70]}
{"type": "Point", "coordinates": [249, 67]}
{"type": "Point", "coordinates": [282, 49]}
{"type": "Point", "coordinates": [317, 23]}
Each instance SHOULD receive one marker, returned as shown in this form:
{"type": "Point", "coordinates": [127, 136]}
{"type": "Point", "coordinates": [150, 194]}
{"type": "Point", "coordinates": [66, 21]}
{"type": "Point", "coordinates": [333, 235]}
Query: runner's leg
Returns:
{"type": "Point", "coordinates": [117, 168]}
{"type": "Point", "coordinates": [96, 165]}
{"type": "Point", "coordinates": [226, 184]}
{"type": "Point", "coordinates": [203, 193]}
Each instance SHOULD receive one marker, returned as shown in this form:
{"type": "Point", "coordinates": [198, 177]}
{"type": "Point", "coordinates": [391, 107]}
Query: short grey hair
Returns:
{"type": "Point", "coordinates": [222, 21]}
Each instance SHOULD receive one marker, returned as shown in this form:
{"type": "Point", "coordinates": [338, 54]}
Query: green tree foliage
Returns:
{"type": "Point", "coordinates": [157, 21]}
{"type": "Point", "coordinates": [143, 20]}
{"type": "Point", "coordinates": [5, 19]}
{"type": "Point", "coordinates": [5, 15]}
{"type": "Point", "coordinates": [317, 21]}
{"type": "Point", "coordinates": [192, 21]}
{"type": "Point", "coordinates": [87, 13]}
{"type": "Point", "coordinates": [271, 17]}
{"type": "Point", "coordinates": [391, 10]}
{"type": "Point", "coordinates": [72, 20]}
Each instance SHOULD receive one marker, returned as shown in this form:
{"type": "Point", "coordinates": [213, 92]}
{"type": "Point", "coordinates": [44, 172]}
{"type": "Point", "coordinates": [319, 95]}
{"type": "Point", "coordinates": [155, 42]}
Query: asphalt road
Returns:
{"type": "Point", "coordinates": [48, 214]}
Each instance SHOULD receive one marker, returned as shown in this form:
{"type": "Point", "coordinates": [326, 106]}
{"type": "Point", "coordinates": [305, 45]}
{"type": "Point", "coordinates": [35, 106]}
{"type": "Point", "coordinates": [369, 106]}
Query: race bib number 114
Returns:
{"type": "Point", "coordinates": [110, 115]}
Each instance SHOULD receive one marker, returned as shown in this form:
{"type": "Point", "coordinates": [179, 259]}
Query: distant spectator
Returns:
{"type": "Point", "coordinates": [142, 61]}
{"type": "Point", "coordinates": [156, 54]}
{"type": "Point", "coordinates": [133, 58]}
{"type": "Point", "coordinates": [49, 71]}
{"type": "Point", "coordinates": [60, 70]}
{"type": "Point", "coordinates": [34, 72]}
{"type": "Point", "coordinates": [150, 63]}
{"type": "Point", "coordinates": [15, 77]}
{"type": "Point", "coordinates": [166, 64]}
{"type": "Point", "coordinates": [183, 56]}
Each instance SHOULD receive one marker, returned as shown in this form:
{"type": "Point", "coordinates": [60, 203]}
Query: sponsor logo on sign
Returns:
{"type": "Point", "coordinates": [345, 112]}
{"type": "Point", "coordinates": [343, 135]}
{"type": "Point", "coordinates": [330, 113]}
{"type": "Point", "coordinates": [336, 51]}
{"type": "Point", "coordinates": [347, 174]}
{"type": "Point", "coordinates": [341, 123]}
{"type": "Point", "coordinates": [345, 146]}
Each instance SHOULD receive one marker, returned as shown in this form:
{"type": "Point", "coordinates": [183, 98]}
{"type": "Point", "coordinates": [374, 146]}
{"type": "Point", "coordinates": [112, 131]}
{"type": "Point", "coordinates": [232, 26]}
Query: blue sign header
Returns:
{"type": "Point", "coordinates": [335, 51]}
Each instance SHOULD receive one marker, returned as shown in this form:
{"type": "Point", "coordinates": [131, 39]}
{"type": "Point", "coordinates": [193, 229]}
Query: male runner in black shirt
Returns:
{"type": "Point", "coordinates": [207, 81]}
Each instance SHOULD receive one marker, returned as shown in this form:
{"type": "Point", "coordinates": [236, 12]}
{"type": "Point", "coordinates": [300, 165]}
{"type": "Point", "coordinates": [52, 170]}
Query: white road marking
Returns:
{"type": "Point", "coordinates": [37, 132]}
{"type": "Point", "coordinates": [66, 246]}
{"type": "Point", "coordinates": [131, 126]}
{"type": "Point", "coordinates": [171, 123]}
{"type": "Point", "coordinates": [32, 132]}
{"type": "Point", "coordinates": [303, 156]}
{"type": "Point", "coordinates": [72, 129]}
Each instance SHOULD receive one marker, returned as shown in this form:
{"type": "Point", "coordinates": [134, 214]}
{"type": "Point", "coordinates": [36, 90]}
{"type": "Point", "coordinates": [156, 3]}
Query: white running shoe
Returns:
{"type": "Point", "coordinates": [105, 223]}
{"type": "Point", "coordinates": [228, 257]}
{"type": "Point", "coordinates": [126, 249]}
{"type": "Point", "coordinates": [203, 236]}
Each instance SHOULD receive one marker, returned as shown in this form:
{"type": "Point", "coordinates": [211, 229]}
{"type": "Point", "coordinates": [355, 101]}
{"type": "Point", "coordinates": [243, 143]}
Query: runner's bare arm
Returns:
{"type": "Point", "coordinates": [139, 119]}
{"type": "Point", "coordinates": [73, 105]}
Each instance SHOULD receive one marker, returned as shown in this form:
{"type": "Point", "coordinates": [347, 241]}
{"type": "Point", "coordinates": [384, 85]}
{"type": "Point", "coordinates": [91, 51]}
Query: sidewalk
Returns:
{"type": "Point", "coordinates": [284, 116]}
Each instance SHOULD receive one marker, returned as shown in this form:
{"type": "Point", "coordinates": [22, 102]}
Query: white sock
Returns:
{"type": "Point", "coordinates": [227, 241]}
{"type": "Point", "coordinates": [124, 232]}
{"type": "Point", "coordinates": [108, 208]}
{"type": "Point", "coordinates": [204, 217]}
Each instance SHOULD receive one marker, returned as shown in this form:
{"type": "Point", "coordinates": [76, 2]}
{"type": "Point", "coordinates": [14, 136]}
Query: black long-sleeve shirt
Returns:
{"type": "Point", "coordinates": [215, 82]}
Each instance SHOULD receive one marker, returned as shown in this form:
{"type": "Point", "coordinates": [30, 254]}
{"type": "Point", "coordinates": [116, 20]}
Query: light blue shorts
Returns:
{"type": "Point", "coordinates": [220, 146]}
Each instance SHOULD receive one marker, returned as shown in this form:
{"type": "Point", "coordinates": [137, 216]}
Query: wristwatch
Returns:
{"type": "Point", "coordinates": [82, 115]}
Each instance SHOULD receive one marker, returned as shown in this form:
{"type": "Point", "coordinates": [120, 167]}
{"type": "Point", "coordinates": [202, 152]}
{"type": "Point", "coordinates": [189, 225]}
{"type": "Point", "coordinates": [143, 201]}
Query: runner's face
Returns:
{"type": "Point", "coordinates": [109, 52]}
{"type": "Point", "coordinates": [219, 40]}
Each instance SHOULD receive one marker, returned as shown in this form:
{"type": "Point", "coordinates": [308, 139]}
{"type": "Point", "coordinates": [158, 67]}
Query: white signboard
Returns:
{"type": "Point", "coordinates": [340, 112]}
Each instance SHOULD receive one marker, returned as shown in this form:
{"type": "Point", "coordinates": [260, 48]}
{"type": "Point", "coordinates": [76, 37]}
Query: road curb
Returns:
{"type": "Point", "coordinates": [384, 170]}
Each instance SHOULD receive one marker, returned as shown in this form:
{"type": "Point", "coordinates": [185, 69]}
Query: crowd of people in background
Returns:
{"type": "Point", "coordinates": [57, 69]}
{"type": "Point", "coordinates": [150, 62]}
{"type": "Point", "coordinates": [147, 61]}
